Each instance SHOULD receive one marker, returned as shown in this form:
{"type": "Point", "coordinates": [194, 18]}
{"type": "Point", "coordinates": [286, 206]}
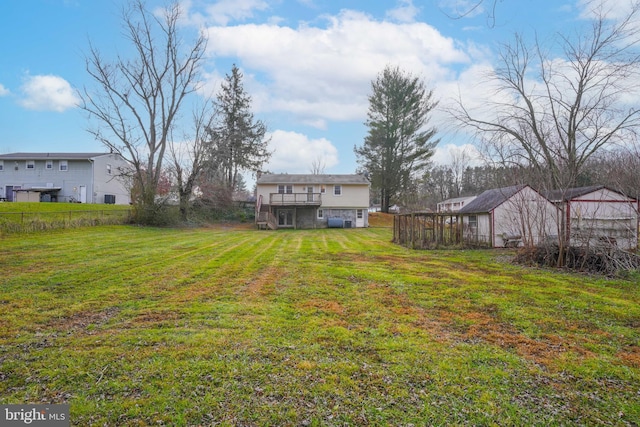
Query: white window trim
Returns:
{"type": "Point", "coordinates": [336, 186]}
{"type": "Point", "coordinates": [64, 163]}
{"type": "Point", "coordinates": [1, 165]}
{"type": "Point", "coordinates": [48, 165]}
{"type": "Point", "coordinates": [30, 165]}
{"type": "Point", "coordinates": [320, 213]}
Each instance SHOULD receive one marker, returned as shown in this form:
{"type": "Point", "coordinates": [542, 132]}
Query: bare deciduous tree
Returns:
{"type": "Point", "coordinates": [187, 160]}
{"type": "Point", "coordinates": [136, 101]}
{"type": "Point", "coordinates": [555, 113]}
{"type": "Point", "coordinates": [317, 166]}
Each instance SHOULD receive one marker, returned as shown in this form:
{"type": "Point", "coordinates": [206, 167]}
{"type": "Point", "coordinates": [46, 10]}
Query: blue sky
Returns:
{"type": "Point", "coordinates": [308, 64]}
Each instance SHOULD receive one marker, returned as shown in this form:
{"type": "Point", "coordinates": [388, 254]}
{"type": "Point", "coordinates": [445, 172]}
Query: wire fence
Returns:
{"type": "Point", "coordinates": [25, 222]}
{"type": "Point", "coordinates": [424, 230]}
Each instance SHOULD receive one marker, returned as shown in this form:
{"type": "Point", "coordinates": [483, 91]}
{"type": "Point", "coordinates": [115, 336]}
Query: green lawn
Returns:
{"type": "Point", "coordinates": [21, 217]}
{"type": "Point", "coordinates": [222, 326]}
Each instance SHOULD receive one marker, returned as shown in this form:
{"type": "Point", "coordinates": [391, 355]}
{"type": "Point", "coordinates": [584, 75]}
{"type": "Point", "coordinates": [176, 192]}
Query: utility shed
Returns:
{"type": "Point", "coordinates": [509, 216]}
{"type": "Point", "coordinates": [597, 215]}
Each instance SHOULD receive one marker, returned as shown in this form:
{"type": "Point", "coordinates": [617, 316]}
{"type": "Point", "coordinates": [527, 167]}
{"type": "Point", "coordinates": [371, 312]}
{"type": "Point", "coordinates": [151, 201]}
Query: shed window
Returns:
{"type": "Point", "coordinates": [473, 222]}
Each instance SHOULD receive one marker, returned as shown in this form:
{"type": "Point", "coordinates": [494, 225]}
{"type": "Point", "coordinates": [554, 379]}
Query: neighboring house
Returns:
{"type": "Point", "coordinates": [454, 205]}
{"type": "Point", "coordinates": [312, 201]}
{"type": "Point", "coordinates": [509, 216]}
{"type": "Point", "coordinates": [596, 215]}
{"type": "Point", "coordinates": [63, 177]}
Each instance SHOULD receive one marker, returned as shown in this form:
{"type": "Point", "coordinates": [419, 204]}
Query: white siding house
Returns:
{"type": "Point", "coordinates": [509, 216]}
{"type": "Point", "coordinates": [597, 214]}
{"type": "Point", "coordinates": [312, 201]}
{"type": "Point", "coordinates": [454, 205]}
{"type": "Point", "coordinates": [63, 177]}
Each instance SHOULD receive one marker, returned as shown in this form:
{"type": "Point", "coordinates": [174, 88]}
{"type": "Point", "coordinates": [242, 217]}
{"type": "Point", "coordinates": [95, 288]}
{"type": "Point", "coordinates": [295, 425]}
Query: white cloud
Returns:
{"type": "Point", "coordinates": [48, 93]}
{"type": "Point", "coordinates": [3, 90]}
{"type": "Point", "coordinates": [324, 73]}
{"type": "Point", "coordinates": [224, 11]}
{"type": "Point", "coordinates": [295, 153]}
{"type": "Point", "coordinates": [405, 12]}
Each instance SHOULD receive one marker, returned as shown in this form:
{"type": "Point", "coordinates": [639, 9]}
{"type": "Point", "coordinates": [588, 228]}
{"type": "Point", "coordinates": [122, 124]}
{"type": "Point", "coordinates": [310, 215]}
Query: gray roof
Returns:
{"type": "Point", "coordinates": [50, 156]}
{"type": "Point", "coordinates": [285, 178]}
{"type": "Point", "coordinates": [490, 199]}
{"type": "Point", "coordinates": [571, 193]}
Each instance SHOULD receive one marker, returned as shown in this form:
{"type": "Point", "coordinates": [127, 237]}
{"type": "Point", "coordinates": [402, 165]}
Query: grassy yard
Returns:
{"type": "Point", "coordinates": [221, 326]}
{"type": "Point", "coordinates": [21, 217]}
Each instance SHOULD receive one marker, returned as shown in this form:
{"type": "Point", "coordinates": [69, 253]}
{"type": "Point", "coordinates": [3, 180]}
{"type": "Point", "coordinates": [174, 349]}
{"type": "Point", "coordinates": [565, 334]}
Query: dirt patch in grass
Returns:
{"type": "Point", "coordinates": [264, 283]}
{"type": "Point", "coordinates": [630, 356]}
{"type": "Point", "coordinates": [83, 320]}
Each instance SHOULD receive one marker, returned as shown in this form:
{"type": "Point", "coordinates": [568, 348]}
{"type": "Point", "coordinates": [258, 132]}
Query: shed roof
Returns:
{"type": "Point", "coordinates": [573, 193]}
{"type": "Point", "coordinates": [285, 178]}
{"type": "Point", "coordinates": [490, 199]}
{"type": "Point", "coordinates": [50, 156]}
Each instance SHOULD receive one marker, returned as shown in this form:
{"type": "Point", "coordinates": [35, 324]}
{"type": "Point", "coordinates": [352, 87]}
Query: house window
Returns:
{"type": "Point", "coordinates": [64, 166]}
{"type": "Point", "coordinates": [1, 165]}
{"type": "Point", "coordinates": [285, 189]}
{"type": "Point", "coordinates": [359, 213]}
{"type": "Point", "coordinates": [108, 169]}
{"type": "Point", "coordinates": [31, 164]}
{"type": "Point", "coordinates": [48, 165]}
{"type": "Point", "coordinates": [320, 213]}
{"type": "Point", "coordinates": [323, 189]}
{"type": "Point", "coordinates": [337, 190]}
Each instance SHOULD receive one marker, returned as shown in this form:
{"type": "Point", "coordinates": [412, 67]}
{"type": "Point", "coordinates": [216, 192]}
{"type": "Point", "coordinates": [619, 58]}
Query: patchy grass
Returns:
{"type": "Point", "coordinates": [140, 326]}
{"type": "Point", "coordinates": [23, 217]}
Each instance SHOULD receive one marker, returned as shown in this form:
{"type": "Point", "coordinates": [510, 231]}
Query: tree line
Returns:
{"type": "Point", "coordinates": [562, 115]}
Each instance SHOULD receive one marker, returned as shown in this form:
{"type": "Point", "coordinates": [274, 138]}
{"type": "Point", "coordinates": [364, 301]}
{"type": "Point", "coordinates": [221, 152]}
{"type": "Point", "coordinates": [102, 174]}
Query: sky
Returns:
{"type": "Point", "coordinates": [307, 64]}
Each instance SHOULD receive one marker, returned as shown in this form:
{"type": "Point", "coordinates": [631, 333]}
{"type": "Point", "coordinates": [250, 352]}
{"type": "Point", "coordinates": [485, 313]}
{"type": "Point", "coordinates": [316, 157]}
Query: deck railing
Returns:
{"type": "Point", "coordinates": [295, 199]}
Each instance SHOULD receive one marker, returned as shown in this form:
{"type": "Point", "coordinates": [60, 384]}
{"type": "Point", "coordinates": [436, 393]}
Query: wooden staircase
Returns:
{"type": "Point", "coordinates": [265, 219]}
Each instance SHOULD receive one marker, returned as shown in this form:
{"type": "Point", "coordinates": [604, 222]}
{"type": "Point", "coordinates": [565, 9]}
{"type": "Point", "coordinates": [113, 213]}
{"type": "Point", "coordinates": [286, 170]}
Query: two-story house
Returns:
{"type": "Point", "coordinates": [63, 177]}
{"type": "Point", "coordinates": [312, 201]}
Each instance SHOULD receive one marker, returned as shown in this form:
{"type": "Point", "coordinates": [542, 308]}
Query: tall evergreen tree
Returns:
{"type": "Point", "coordinates": [237, 141]}
{"type": "Point", "coordinates": [397, 147]}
